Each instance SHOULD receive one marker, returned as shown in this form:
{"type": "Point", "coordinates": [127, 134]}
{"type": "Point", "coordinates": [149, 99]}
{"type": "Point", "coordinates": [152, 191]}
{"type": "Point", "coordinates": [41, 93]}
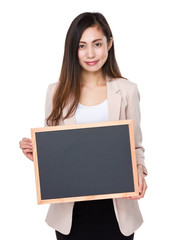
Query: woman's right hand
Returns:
{"type": "Point", "coordinates": [26, 147]}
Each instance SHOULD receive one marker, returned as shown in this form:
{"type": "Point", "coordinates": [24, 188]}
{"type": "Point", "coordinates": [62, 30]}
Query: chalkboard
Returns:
{"type": "Point", "coordinates": [85, 161]}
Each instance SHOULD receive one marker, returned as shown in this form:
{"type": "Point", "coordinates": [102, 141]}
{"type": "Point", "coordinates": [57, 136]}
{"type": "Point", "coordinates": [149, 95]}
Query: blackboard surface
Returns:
{"type": "Point", "coordinates": [85, 161]}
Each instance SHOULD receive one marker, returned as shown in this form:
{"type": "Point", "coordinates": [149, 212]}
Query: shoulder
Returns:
{"type": "Point", "coordinates": [126, 88]}
{"type": "Point", "coordinates": [51, 89]}
{"type": "Point", "coordinates": [49, 96]}
{"type": "Point", "coordinates": [124, 84]}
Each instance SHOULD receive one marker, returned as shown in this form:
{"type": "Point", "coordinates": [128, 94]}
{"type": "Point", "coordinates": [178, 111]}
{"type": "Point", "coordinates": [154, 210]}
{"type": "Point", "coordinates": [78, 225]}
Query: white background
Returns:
{"type": "Point", "coordinates": [148, 44]}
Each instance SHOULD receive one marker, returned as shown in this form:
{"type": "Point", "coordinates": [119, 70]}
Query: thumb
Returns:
{"type": "Point", "coordinates": [140, 184]}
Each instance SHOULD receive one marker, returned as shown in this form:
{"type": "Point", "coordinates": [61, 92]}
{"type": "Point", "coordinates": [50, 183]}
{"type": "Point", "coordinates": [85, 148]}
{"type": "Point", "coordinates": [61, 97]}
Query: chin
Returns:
{"type": "Point", "coordinates": [92, 68]}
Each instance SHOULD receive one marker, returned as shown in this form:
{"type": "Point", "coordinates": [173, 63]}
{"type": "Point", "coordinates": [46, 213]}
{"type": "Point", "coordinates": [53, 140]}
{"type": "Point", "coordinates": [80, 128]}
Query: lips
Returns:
{"type": "Point", "coordinates": [91, 63]}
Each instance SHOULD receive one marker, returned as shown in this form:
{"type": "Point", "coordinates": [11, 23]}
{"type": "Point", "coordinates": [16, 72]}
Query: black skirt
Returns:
{"type": "Point", "coordinates": [94, 220]}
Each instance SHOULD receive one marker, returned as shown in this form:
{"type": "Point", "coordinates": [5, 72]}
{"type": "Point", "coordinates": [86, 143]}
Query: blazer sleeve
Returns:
{"type": "Point", "coordinates": [48, 102]}
{"type": "Point", "coordinates": [133, 112]}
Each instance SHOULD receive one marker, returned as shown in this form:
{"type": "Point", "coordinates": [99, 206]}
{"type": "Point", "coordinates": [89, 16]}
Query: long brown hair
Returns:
{"type": "Point", "coordinates": [69, 81]}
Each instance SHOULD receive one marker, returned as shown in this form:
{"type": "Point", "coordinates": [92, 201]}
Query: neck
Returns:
{"type": "Point", "coordinates": [92, 79]}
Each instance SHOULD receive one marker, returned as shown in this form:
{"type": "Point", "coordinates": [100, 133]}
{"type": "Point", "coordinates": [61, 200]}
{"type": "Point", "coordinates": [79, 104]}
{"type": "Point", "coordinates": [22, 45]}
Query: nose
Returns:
{"type": "Point", "coordinates": [90, 52]}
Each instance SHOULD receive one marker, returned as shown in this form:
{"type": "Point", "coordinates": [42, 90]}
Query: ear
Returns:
{"type": "Point", "coordinates": [110, 44]}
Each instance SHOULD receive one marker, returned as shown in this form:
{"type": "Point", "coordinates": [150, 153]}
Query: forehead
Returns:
{"type": "Point", "coordinates": [92, 33]}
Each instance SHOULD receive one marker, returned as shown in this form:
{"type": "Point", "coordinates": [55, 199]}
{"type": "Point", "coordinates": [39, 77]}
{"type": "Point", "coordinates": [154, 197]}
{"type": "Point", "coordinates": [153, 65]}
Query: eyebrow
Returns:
{"type": "Point", "coordinates": [99, 39]}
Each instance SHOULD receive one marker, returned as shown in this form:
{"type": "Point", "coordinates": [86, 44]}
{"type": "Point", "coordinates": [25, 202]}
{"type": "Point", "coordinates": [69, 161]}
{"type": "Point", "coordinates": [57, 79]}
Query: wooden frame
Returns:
{"type": "Point", "coordinates": [82, 126]}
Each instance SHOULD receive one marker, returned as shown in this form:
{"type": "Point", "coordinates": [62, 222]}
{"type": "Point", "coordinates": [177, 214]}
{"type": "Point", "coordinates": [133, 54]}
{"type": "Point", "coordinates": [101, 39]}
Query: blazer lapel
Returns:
{"type": "Point", "coordinates": [113, 99]}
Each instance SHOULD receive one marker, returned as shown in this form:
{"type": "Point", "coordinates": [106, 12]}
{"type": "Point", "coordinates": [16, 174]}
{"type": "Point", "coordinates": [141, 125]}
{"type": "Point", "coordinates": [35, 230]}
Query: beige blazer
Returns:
{"type": "Point", "coordinates": [123, 103]}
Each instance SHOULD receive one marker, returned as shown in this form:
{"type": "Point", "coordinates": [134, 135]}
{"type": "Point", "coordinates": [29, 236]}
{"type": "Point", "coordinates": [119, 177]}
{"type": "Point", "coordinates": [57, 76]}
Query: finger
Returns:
{"type": "Point", "coordinates": [27, 150]}
{"type": "Point", "coordinates": [144, 189]}
{"type": "Point", "coordinates": [140, 184]}
{"type": "Point", "coordinates": [29, 155]}
{"type": "Point", "coordinates": [28, 140]}
{"type": "Point", "coordinates": [141, 188]}
{"type": "Point", "coordinates": [26, 147]}
{"type": "Point", "coordinates": [25, 142]}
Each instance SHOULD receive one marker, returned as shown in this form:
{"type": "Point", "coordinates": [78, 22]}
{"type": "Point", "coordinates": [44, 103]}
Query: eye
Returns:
{"type": "Point", "coordinates": [81, 46]}
{"type": "Point", "coordinates": [98, 44]}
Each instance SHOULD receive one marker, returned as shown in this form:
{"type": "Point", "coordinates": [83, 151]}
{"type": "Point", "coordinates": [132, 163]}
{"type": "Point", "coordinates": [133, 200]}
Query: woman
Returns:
{"type": "Point", "coordinates": [92, 89]}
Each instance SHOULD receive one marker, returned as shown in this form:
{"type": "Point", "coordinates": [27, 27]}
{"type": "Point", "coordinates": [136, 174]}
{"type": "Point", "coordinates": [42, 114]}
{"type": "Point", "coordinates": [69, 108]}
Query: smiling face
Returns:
{"type": "Point", "coordinates": [93, 49]}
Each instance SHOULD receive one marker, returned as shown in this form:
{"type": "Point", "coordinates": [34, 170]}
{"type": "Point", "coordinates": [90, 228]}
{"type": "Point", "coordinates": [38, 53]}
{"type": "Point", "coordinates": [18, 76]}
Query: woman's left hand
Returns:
{"type": "Point", "coordinates": [141, 183]}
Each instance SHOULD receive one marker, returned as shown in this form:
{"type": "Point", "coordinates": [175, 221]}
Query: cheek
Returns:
{"type": "Point", "coordinates": [80, 55]}
{"type": "Point", "coordinates": [104, 54]}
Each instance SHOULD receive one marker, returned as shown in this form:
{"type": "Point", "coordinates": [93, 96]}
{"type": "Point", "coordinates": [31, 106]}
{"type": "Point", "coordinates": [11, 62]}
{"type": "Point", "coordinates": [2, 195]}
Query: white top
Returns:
{"type": "Point", "coordinates": [89, 114]}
